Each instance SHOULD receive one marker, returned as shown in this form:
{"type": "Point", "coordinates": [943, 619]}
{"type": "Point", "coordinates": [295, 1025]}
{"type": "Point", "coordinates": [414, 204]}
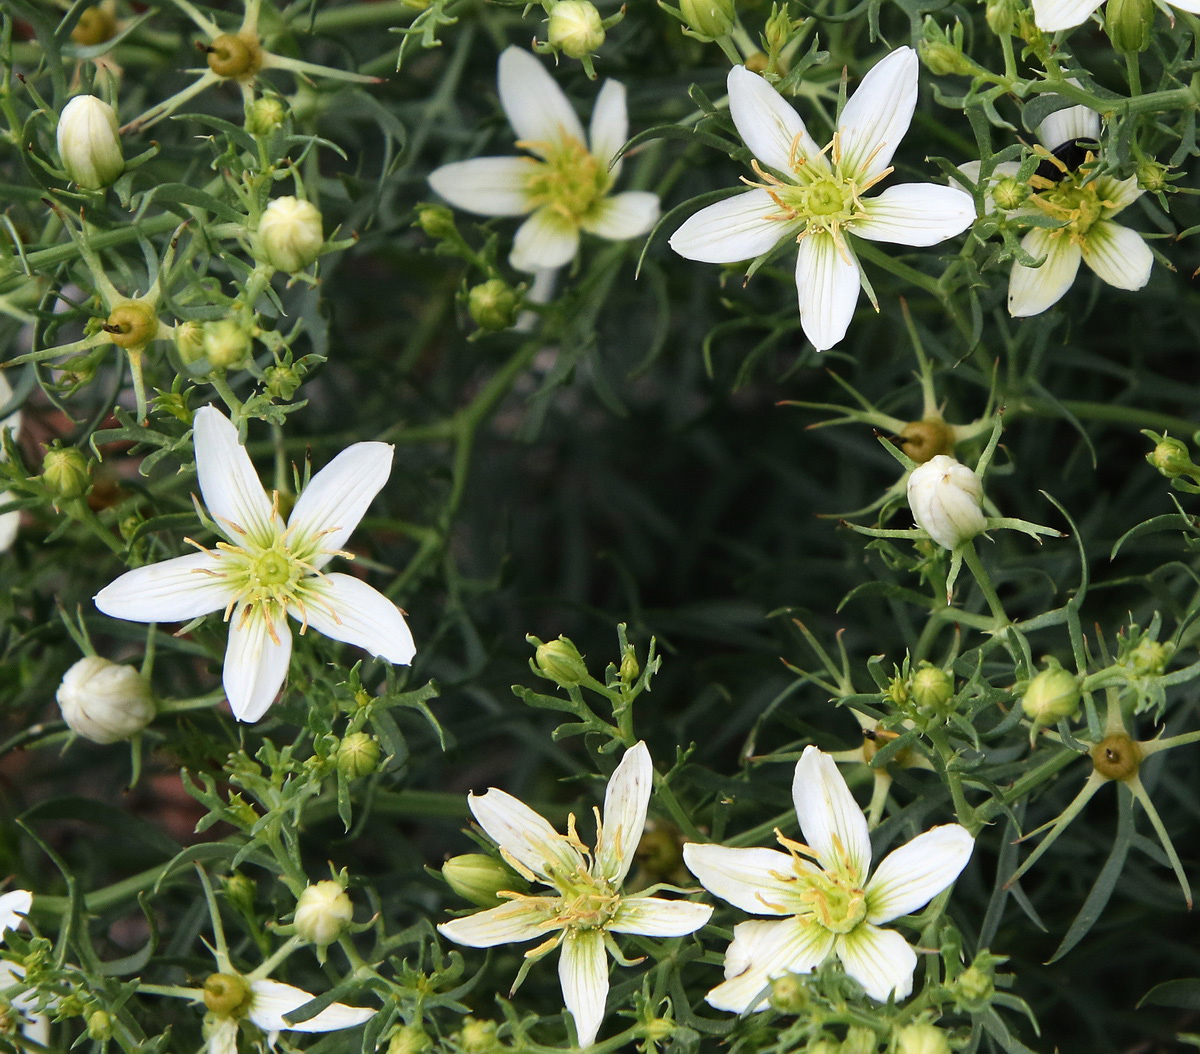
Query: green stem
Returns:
{"type": "Point", "coordinates": [1020, 788]}
{"type": "Point", "coordinates": [971, 558]}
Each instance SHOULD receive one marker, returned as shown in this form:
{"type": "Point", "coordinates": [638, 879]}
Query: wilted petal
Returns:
{"type": "Point", "coordinates": [14, 906]}
{"type": "Point", "coordinates": [522, 833]}
{"type": "Point", "coordinates": [768, 125]}
{"type": "Point", "coordinates": [511, 923]}
{"type": "Point", "coordinates": [1069, 123]}
{"type": "Point", "coordinates": [338, 496]}
{"type": "Point", "coordinates": [349, 610]}
{"type": "Point", "coordinates": [1031, 290]}
{"type": "Point", "coordinates": [170, 591]}
{"type": "Point", "coordinates": [879, 960]}
{"type": "Point", "coordinates": [1052, 15]}
{"type": "Point", "coordinates": [271, 1000]}
{"type": "Point", "coordinates": [583, 973]}
{"type": "Point", "coordinates": [761, 951]}
{"type": "Point", "coordinates": [1117, 255]}
{"type": "Point", "coordinates": [830, 819]}
{"type": "Point", "coordinates": [909, 877]}
{"type": "Point", "coordinates": [544, 240]}
{"type": "Point", "coordinates": [625, 802]}
{"type": "Point", "coordinates": [623, 216]}
{"type": "Point", "coordinates": [760, 881]}
{"type": "Point", "coordinates": [256, 662]}
{"type": "Point", "coordinates": [222, 1035]}
{"type": "Point", "coordinates": [916, 214]}
{"type": "Point", "coordinates": [738, 228]}
{"type": "Point", "coordinates": [536, 107]}
{"type": "Point", "coordinates": [230, 486]}
{"type": "Point", "coordinates": [827, 284]}
{"type": "Point", "coordinates": [657, 917]}
{"type": "Point", "coordinates": [878, 114]}
{"type": "Point", "coordinates": [610, 125]}
{"type": "Point", "coordinates": [486, 186]}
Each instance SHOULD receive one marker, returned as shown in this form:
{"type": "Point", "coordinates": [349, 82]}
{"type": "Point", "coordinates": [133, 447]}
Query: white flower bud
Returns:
{"type": "Point", "coordinates": [89, 144]}
{"type": "Point", "coordinates": [575, 27]}
{"type": "Point", "coordinates": [323, 912]}
{"type": "Point", "coordinates": [945, 498]}
{"type": "Point", "coordinates": [104, 701]}
{"type": "Point", "coordinates": [290, 236]}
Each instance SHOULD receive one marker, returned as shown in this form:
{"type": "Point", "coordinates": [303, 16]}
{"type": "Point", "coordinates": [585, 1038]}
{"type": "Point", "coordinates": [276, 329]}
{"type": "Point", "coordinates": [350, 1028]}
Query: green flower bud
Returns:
{"type": "Point", "coordinates": [290, 234]}
{"type": "Point", "coordinates": [95, 26]}
{"type": "Point", "coordinates": [99, 1025]}
{"type": "Point", "coordinates": [235, 55]}
{"type": "Point", "coordinates": [437, 221]}
{"type": "Point", "coordinates": [227, 994]}
{"type": "Point", "coordinates": [1171, 458]}
{"type": "Point", "coordinates": [575, 28]}
{"type": "Point", "coordinates": [225, 344]}
{"type": "Point", "coordinates": [789, 994]}
{"type": "Point", "coordinates": [240, 891]}
{"type": "Point", "coordinates": [1052, 694]}
{"type": "Point", "coordinates": [479, 878]}
{"type": "Point", "coordinates": [265, 114]}
{"type": "Point", "coordinates": [657, 1029]}
{"type": "Point", "coordinates": [492, 304]}
{"type": "Point", "coordinates": [942, 58]}
{"type": "Point", "coordinates": [708, 19]}
{"type": "Point", "coordinates": [132, 324]}
{"type": "Point", "coordinates": [357, 755]}
{"type": "Point", "coordinates": [920, 1038]}
{"type": "Point", "coordinates": [1151, 176]}
{"type": "Point", "coordinates": [104, 701]}
{"type": "Point", "coordinates": [66, 472]}
{"type": "Point", "coordinates": [629, 667]}
{"type": "Point", "coordinates": [409, 1039]}
{"type": "Point", "coordinates": [859, 1040]}
{"type": "Point", "coordinates": [477, 1037]}
{"type": "Point", "coordinates": [975, 986]}
{"type": "Point", "coordinates": [1128, 23]}
{"type": "Point", "coordinates": [1009, 193]}
{"type": "Point", "coordinates": [823, 1046]}
{"type": "Point", "coordinates": [779, 29]}
{"type": "Point", "coordinates": [89, 144]}
{"type": "Point", "coordinates": [281, 382]}
{"type": "Point", "coordinates": [897, 692]}
{"type": "Point", "coordinates": [932, 688]}
{"type": "Point", "coordinates": [1149, 658]}
{"type": "Point", "coordinates": [189, 342]}
{"type": "Point", "coordinates": [924, 440]}
{"type": "Point", "coordinates": [1001, 16]}
{"type": "Point", "coordinates": [323, 911]}
{"type": "Point", "coordinates": [560, 661]}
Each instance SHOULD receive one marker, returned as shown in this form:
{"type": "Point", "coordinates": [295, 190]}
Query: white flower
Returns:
{"type": "Point", "coordinates": [820, 891]}
{"type": "Point", "coordinates": [566, 187]}
{"type": "Point", "coordinates": [14, 906]}
{"type": "Point", "coordinates": [587, 904]}
{"type": "Point", "coordinates": [104, 701]}
{"type": "Point", "coordinates": [265, 569]}
{"type": "Point", "coordinates": [945, 497]}
{"type": "Point", "coordinates": [9, 521]}
{"type": "Point", "coordinates": [816, 196]}
{"type": "Point", "coordinates": [89, 144]}
{"type": "Point", "coordinates": [1052, 15]}
{"type": "Point", "coordinates": [1084, 208]}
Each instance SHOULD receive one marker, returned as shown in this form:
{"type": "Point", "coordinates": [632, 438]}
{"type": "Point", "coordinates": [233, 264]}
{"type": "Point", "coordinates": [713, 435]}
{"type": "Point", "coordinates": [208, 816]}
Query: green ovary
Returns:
{"type": "Point", "coordinates": [838, 906]}
{"type": "Point", "coordinates": [827, 204]}
{"type": "Point", "coordinates": [1078, 206]}
{"type": "Point", "coordinates": [570, 181]}
{"type": "Point", "coordinates": [588, 903]}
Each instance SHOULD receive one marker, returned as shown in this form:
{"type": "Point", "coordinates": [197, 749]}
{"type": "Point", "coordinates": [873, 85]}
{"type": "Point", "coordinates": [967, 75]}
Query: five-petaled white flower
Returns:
{"type": "Point", "coordinates": [565, 187]}
{"type": "Point", "coordinates": [265, 569]}
{"type": "Point", "coordinates": [816, 196]}
{"type": "Point", "coordinates": [587, 906]}
{"type": "Point", "coordinates": [821, 890]}
{"type": "Point", "coordinates": [1083, 207]}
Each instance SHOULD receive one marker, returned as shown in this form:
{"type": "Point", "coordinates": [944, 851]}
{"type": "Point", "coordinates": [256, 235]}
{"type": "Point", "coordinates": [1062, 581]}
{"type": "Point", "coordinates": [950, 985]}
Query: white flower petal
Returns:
{"type": "Point", "coordinates": [14, 906]}
{"type": "Point", "coordinates": [1117, 194]}
{"type": "Point", "coordinates": [232, 493]}
{"type": "Point", "coordinates": [13, 421]}
{"type": "Point", "coordinates": [583, 973]}
{"type": "Point", "coordinates": [625, 802]}
{"type": "Point", "coordinates": [833, 824]}
{"type": "Point", "coordinates": [916, 214]}
{"type": "Point", "coordinates": [256, 662]}
{"type": "Point", "coordinates": [510, 923]}
{"type": "Point", "coordinates": [610, 125]}
{"type": "Point", "coordinates": [544, 240]}
{"type": "Point", "coordinates": [1117, 255]}
{"type": "Point", "coordinates": [338, 496]}
{"type": "Point", "coordinates": [760, 881]}
{"type": "Point", "coordinates": [909, 877]}
{"type": "Point", "coordinates": [827, 285]}
{"type": "Point", "coordinates": [222, 1036]}
{"type": "Point", "coordinates": [738, 228]}
{"type": "Point", "coordinates": [1052, 15]}
{"type": "Point", "coordinates": [352, 611]}
{"type": "Point", "coordinates": [878, 114]}
{"type": "Point", "coordinates": [879, 960]}
{"type": "Point", "coordinates": [1069, 123]}
{"type": "Point", "coordinates": [170, 591]}
{"type": "Point", "coordinates": [10, 522]}
{"type": "Point", "coordinates": [270, 1000]}
{"type": "Point", "coordinates": [623, 216]}
{"type": "Point", "coordinates": [657, 917]}
{"type": "Point", "coordinates": [761, 951]}
{"type": "Point", "coordinates": [486, 186]}
{"type": "Point", "coordinates": [522, 833]}
{"type": "Point", "coordinates": [1031, 290]}
{"type": "Point", "coordinates": [536, 107]}
{"type": "Point", "coordinates": [768, 125]}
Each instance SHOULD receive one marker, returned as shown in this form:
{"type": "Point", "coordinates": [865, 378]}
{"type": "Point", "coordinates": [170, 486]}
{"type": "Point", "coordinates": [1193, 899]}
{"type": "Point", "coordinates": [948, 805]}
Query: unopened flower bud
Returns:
{"type": "Point", "coordinates": [945, 498]}
{"type": "Point", "coordinates": [1001, 16]}
{"type": "Point", "coordinates": [95, 26]}
{"type": "Point", "coordinates": [240, 891]}
{"type": "Point", "coordinates": [265, 114]}
{"type": "Point", "coordinates": [789, 994]}
{"type": "Point", "coordinates": [923, 440]}
{"type": "Point", "coordinates": [1171, 457]}
{"type": "Point", "coordinates": [234, 55]}
{"type": "Point", "coordinates": [478, 878]}
{"type": "Point", "coordinates": [281, 382]}
{"type": "Point", "coordinates": [226, 994]}
{"type": "Point", "coordinates": [629, 667]}
{"type": "Point", "coordinates": [290, 235]}
{"type": "Point", "coordinates": [132, 324]}
{"type": "Point", "coordinates": [437, 221]}
{"type": "Point", "coordinates": [975, 986]}
{"type": "Point", "coordinates": [323, 911]}
{"type": "Point", "coordinates": [224, 344]}
{"type": "Point", "coordinates": [1052, 694]}
{"type": "Point", "coordinates": [477, 1037]}
{"type": "Point", "coordinates": [1151, 176]}
{"type": "Point", "coordinates": [188, 337]}
{"type": "Point", "coordinates": [99, 1025]}
{"type": "Point", "coordinates": [1009, 193]}
{"type": "Point", "coordinates": [104, 701]}
{"type": "Point", "coordinates": [942, 58]}
{"type": "Point", "coordinates": [824, 1045]}
{"type": "Point", "coordinates": [357, 755]}
{"type": "Point", "coordinates": [859, 1040]}
{"type": "Point", "coordinates": [492, 304]}
{"type": "Point", "coordinates": [1149, 658]}
{"type": "Point", "coordinates": [920, 1038]}
{"type": "Point", "coordinates": [1128, 23]}
{"type": "Point", "coordinates": [66, 472]}
{"type": "Point", "coordinates": [409, 1039]}
{"type": "Point", "coordinates": [575, 28]}
{"type": "Point", "coordinates": [708, 19]}
{"type": "Point", "coordinates": [931, 688]}
{"type": "Point", "coordinates": [89, 144]}
{"type": "Point", "coordinates": [560, 661]}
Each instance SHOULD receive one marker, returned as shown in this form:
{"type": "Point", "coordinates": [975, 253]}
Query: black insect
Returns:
{"type": "Point", "coordinates": [1071, 154]}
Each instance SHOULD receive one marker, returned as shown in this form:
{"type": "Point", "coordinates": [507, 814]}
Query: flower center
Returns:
{"type": "Point", "coordinates": [836, 904]}
{"type": "Point", "coordinates": [1071, 200]}
{"type": "Point", "coordinates": [569, 180]}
